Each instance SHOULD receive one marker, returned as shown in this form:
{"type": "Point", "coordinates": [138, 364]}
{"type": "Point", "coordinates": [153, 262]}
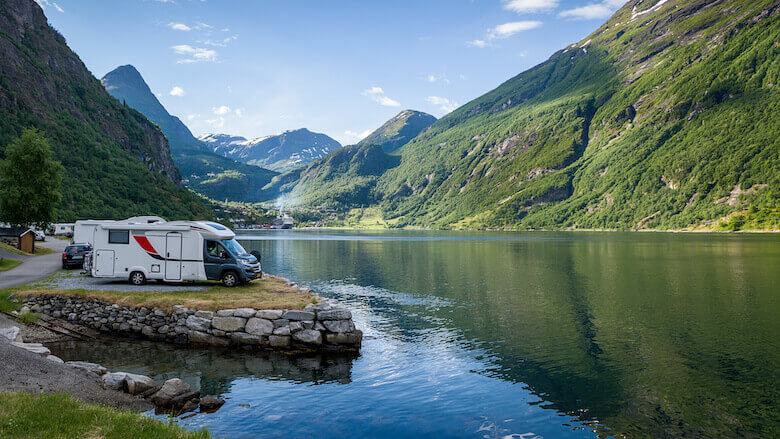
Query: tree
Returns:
{"type": "Point", "coordinates": [29, 181]}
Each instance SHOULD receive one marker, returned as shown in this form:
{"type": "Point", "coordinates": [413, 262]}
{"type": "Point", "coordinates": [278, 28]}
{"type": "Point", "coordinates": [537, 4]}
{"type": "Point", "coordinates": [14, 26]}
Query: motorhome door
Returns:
{"type": "Point", "coordinates": [104, 263]}
{"type": "Point", "coordinates": [173, 256]}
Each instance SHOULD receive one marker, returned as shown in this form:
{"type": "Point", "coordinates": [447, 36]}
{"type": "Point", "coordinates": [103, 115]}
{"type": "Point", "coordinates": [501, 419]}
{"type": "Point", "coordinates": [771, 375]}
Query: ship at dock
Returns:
{"type": "Point", "coordinates": [283, 221]}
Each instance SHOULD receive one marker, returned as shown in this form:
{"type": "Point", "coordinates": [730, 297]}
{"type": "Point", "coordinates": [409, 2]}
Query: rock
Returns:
{"type": "Point", "coordinates": [210, 402]}
{"type": "Point", "coordinates": [190, 406]}
{"type": "Point", "coordinates": [55, 359]}
{"type": "Point", "coordinates": [244, 312]}
{"type": "Point", "coordinates": [12, 333]}
{"type": "Point", "coordinates": [147, 331]}
{"type": "Point", "coordinates": [198, 337]}
{"type": "Point", "coordinates": [228, 324]}
{"type": "Point", "coordinates": [198, 323]}
{"type": "Point", "coordinates": [269, 314]}
{"type": "Point", "coordinates": [320, 327]}
{"type": "Point", "coordinates": [296, 326]}
{"type": "Point", "coordinates": [115, 380]}
{"type": "Point", "coordinates": [35, 348]}
{"type": "Point", "coordinates": [350, 338]}
{"type": "Point", "coordinates": [208, 315]}
{"type": "Point", "coordinates": [135, 384]}
{"type": "Point", "coordinates": [171, 391]}
{"type": "Point", "coordinates": [225, 313]}
{"type": "Point", "coordinates": [284, 330]}
{"type": "Point", "coordinates": [298, 315]}
{"type": "Point", "coordinates": [244, 338]}
{"type": "Point", "coordinates": [281, 322]}
{"type": "Point", "coordinates": [164, 329]}
{"type": "Point", "coordinates": [258, 326]}
{"type": "Point", "coordinates": [339, 325]}
{"type": "Point", "coordinates": [89, 367]}
{"type": "Point", "coordinates": [308, 336]}
{"type": "Point", "coordinates": [279, 341]}
{"type": "Point", "coordinates": [181, 400]}
{"type": "Point", "coordinates": [334, 314]}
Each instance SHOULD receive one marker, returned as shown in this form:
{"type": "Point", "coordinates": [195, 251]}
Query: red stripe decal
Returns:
{"type": "Point", "coordinates": [145, 244]}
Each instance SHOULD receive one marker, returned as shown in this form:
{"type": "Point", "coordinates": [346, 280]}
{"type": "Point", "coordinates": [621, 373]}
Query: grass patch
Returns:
{"type": "Point", "coordinates": [270, 292]}
{"type": "Point", "coordinates": [60, 416]}
{"type": "Point", "coordinates": [7, 264]}
{"type": "Point", "coordinates": [39, 250]}
{"type": "Point", "coordinates": [6, 304]}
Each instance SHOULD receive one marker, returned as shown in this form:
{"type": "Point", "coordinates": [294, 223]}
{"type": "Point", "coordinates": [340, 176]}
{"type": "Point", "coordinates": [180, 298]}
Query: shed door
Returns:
{"type": "Point", "coordinates": [173, 256]}
{"type": "Point", "coordinates": [104, 263]}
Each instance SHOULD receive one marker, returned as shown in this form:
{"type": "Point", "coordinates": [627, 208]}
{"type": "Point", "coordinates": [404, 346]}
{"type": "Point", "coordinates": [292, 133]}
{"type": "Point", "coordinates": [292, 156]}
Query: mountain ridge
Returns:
{"type": "Point", "coordinates": [399, 130]}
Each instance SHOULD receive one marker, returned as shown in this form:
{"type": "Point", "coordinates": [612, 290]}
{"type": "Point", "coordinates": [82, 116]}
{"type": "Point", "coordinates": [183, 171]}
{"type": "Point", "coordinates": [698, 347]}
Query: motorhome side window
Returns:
{"type": "Point", "coordinates": [118, 236]}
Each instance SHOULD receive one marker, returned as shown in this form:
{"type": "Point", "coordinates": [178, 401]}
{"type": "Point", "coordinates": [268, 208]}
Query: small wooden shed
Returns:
{"type": "Point", "coordinates": [22, 238]}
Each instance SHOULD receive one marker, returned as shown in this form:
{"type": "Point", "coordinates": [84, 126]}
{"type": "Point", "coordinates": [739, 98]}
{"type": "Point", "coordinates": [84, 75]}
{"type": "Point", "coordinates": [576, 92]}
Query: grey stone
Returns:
{"type": "Point", "coordinates": [296, 326]}
{"type": "Point", "coordinates": [244, 338]}
{"type": "Point", "coordinates": [164, 329]}
{"type": "Point", "coordinates": [319, 326]}
{"type": "Point", "coordinates": [284, 330]}
{"type": "Point", "coordinates": [259, 326]}
{"type": "Point", "coordinates": [170, 391]}
{"type": "Point", "coordinates": [198, 337]}
{"type": "Point", "coordinates": [244, 312]}
{"type": "Point", "coordinates": [228, 324]}
{"type": "Point", "coordinates": [308, 336]}
{"type": "Point", "coordinates": [147, 331]}
{"type": "Point", "coordinates": [279, 341]}
{"type": "Point", "coordinates": [225, 313]}
{"type": "Point", "coordinates": [115, 380]}
{"type": "Point", "coordinates": [298, 315]}
{"type": "Point", "coordinates": [348, 338]}
{"type": "Point", "coordinates": [198, 323]}
{"type": "Point", "coordinates": [281, 322]}
{"type": "Point", "coordinates": [210, 402]}
{"type": "Point", "coordinates": [218, 333]}
{"type": "Point", "coordinates": [339, 325]}
{"type": "Point", "coordinates": [204, 314]}
{"type": "Point", "coordinates": [269, 314]}
{"type": "Point", "coordinates": [55, 359]}
{"type": "Point", "coordinates": [35, 348]}
{"type": "Point", "coordinates": [136, 384]}
{"type": "Point", "coordinates": [89, 367]}
{"type": "Point", "coordinates": [307, 324]}
{"type": "Point", "coordinates": [12, 333]}
{"type": "Point", "coordinates": [334, 314]}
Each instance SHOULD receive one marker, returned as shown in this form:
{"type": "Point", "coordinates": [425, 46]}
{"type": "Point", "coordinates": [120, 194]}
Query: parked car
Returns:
{"type": "Point", "coordinates": [39, 236]}
{"type": "Point", "coordinates": [74, 254]}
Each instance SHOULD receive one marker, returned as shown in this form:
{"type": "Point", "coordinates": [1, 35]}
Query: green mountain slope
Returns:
{"type": "Point", "coordinates": [399, 130]}
{"type": "Point", "coordinates": [203, 171]}
{"type": "Point", "coordinates": [664, 117]}
{"type": "Point", "coordinates": [117, 163]}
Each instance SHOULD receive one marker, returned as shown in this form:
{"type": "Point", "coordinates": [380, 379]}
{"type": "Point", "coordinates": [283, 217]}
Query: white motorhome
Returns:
{"type": "Point", "coordinates": [62, 229]}
{"type": "Point", "coordinates": [174, 251]}
{"type": "Point", "coordinates": [84, 230]}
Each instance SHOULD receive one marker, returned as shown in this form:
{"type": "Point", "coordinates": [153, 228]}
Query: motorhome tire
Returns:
{"type": "Point", "coordinates": [229, 279]}
{"type": "Point", "coordinates": [137, 278]}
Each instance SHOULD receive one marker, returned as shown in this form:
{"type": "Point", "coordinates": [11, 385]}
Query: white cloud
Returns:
{"type": "Point", "coordinates": [477, 43]}
{"type": "Point", "coordinates": [593, 11]}
{"type": "Point", "coordinates": [350, 137]}
{"type": "Point", "coordinates": [177, 91]}
{"type": "Point", "coordinates": [217, 123]}
{"type": "Point", "coordinates": [438, 78]}
{"type": "Point", "coordinates": [191, 117]}
{"type": "Point", "coordinates": [194, 54]}
{"type": "Point", "coordinates": [525, 6]}
{"type": "Point", "coordinates": [506, 30]}
{"type": "Point", "coordinates": [179, 26]}
{"type": "Point", "coordinates": [443, 103]}
{"type": "Point", "coordinates": [46, 3]}
{"type": "Point", "coordinates": [378, 95]}
{"type": "Point", "coordinates": [238, 112]}
{"type": "Point", "coordinates": [220, 43]}
{"type": "Point", "coordinates": [221, 110]}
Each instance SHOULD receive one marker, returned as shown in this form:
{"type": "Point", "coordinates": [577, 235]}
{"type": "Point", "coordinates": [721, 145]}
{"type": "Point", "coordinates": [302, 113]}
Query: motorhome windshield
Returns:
{"type": "Point", "coordinates": [235, 247]}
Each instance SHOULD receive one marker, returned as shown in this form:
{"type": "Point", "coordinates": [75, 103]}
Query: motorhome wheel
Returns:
{"type": "Point", "coordinates": [137, 278]}
{"type": "Point", "coordinates": [229, 279]}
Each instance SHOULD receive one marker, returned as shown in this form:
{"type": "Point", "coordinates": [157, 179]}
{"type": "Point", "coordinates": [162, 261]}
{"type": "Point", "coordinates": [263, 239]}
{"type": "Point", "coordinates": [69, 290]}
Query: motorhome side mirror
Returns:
{"type": "Point", "coordinates": [256, 254]}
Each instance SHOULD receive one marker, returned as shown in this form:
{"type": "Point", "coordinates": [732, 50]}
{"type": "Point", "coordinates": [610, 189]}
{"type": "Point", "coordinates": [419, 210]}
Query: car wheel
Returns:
{"type": "Point", "coordinates": [229, 279]}
{"type": "Point", "coordinates": [137, 278]}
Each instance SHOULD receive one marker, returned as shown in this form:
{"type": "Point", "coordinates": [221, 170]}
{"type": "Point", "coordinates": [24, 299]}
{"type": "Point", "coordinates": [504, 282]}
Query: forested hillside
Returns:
{"type": "Point", "coordinates": [203, 171]}
{"type": "Point", "coordinates": [399, 130]}
{"type": "Point", "coordinates": [665, 117]}
{"type": "Point", "coordinates": [117, 163]}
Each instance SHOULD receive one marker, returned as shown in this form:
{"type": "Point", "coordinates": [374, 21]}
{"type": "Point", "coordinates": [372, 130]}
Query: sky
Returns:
{"type": "Point", "coordinates": [258, 67]}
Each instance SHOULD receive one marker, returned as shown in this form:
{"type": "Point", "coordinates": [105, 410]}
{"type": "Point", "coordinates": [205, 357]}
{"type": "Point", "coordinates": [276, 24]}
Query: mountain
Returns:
{"type": "Point", "coordinates": [117, 163]}
{"type": "Point", "coordinates": [664, 117]}
{"type": "Point", "coordinates": [399, 130]}
{"type": "Point", "coordinates": [204, 171]}
{"type": "Point", "coordinates": [281, 152]}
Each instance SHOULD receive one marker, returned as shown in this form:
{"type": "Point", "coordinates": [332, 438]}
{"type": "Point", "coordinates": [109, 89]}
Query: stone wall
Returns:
{"type": "Point", "coordinates": [320, 327]}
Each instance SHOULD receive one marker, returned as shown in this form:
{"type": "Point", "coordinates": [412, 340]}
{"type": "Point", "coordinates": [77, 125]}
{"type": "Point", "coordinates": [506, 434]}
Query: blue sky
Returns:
{"type": "Point", "coordinates": [258, 67]}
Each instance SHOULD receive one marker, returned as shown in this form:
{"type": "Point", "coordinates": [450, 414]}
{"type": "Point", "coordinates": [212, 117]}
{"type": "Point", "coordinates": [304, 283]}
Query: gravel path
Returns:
{"type": "Point", "coordinates": [34, 268]}
{"type": "Point", "coordinates": [72, 280]}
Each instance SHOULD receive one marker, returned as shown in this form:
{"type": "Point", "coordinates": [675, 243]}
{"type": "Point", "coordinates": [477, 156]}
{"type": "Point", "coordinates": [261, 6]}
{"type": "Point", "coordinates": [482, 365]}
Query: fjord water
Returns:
{"type": "Point", "coordinates": [506, 335]}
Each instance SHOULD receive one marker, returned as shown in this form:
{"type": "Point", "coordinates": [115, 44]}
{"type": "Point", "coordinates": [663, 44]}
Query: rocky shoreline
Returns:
{"type": "Point", "coordinates": [321, 327]}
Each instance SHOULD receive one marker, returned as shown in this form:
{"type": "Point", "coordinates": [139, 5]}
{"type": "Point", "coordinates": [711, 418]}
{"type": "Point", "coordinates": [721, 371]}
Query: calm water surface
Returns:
{"type": "Point", "coordinates": [506, 335]}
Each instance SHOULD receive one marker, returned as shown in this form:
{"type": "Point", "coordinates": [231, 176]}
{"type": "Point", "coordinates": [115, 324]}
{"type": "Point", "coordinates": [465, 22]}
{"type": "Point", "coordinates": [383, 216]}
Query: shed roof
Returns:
{"type": "Point", "coordinates": [14, 231]}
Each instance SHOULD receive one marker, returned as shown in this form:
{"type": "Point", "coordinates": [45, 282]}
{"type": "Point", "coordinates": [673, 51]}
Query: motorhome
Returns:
{"type": "Point", "coordinates": [174, 251]}
{"type": "Point", "coordinates": [62, 229]}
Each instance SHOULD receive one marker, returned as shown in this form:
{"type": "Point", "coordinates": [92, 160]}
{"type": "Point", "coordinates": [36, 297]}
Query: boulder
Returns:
{"type": "Point", "coordinates": [208, 315]}
{"type": "Point", "coordinates": [258, 326]}
{"type": "Point", "coordinates": [198, 337]}
{"type": "Point", "coordinates": [210, 402]}
{"type": "Point", "coordinates": [114, 380]}
{"type": "Point", "coordinates": [349, 338]}
{"type": "Point", "coordinates": [284, 330]}
{"type": "Point", "coordinates": [198, 323]}
{"type": "Point", "coordinates": [55, 359]}
{"type": "Point", "coordinates": [228, 324]}
{"type": "Point", "coordinates": [269, 314]}
{"type": "Point", "coordinates": [172, 392]}
{"type": "Point", "coordinates": [334, 314]}
{"type": "Point", "coordinates": [244, 312]}
{"type": "Point", "coordinates": [279, 341]}
{"type": "Point", "coordinates": [339, 325]}
{"type": "Point", "coordinates": [35, 348]}
{"type": "Point", "coordinates": [136, 384]}
{"type": "Point", "coordinates": [89, 367]}
{"type": "Point", "coordinates": [242, 338]}
{"type": "Point", "coordinates": [308, 336]}
{"type": "Point", "coordinates": [225, 313]}
{"type": "Point", "coordinates": [190, 406]}
{"type": "Point", "coordinates": [298, 315]}
{"type": "Point", "coordinates": [12, 333]}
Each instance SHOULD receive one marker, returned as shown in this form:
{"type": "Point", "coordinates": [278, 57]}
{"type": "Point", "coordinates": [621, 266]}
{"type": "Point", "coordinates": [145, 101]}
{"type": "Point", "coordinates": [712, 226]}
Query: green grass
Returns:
{"type": "Point", "coordinates": [39, 250]}
{"type": "Point", "coordinates": [60, 416]}
{"type": "Point", "coordinates": [7, 304]}
{"type": "Point", "coordinates": [7, 264]}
